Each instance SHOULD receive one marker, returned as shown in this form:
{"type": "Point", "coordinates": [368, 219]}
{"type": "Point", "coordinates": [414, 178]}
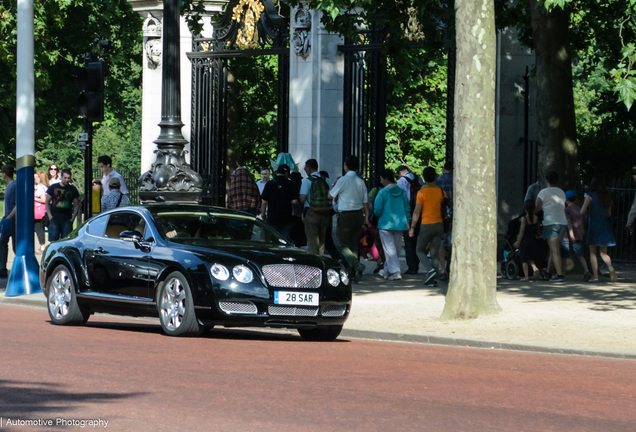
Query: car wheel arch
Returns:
{"type": "Point", "coordinates": [61, 259]}
{"type": "Point", "coordinates": [164, 273]}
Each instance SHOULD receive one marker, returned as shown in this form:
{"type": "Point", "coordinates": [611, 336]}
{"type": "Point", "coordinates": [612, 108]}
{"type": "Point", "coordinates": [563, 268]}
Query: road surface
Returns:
{"type": "Point", "coordinates": [126, 372]}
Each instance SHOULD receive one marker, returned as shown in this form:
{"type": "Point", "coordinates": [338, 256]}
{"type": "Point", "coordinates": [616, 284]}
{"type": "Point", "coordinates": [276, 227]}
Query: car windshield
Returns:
{"type": "Point", "coordinates": [184, 227]}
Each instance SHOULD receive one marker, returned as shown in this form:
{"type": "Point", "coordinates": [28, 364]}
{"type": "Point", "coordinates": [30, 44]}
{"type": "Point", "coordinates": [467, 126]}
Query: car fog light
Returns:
{"type": "Point", "coordinates": [344, 277]}
{"type": "Point", "coordinates": [220, 272]}
{"type": "Point", "coordinates": [332, 277]}
{"type": "Point", "coordinates": [243, 274]}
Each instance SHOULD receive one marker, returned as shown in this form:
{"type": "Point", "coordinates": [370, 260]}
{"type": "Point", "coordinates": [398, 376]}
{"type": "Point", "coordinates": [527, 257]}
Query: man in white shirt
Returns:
{"type": "Point", "coordinates": [106, 166]}
{"type": "Point", "coordinates": [353, 206]}
{"type": "Point", "coordinates": [265, 177]}
{"type": "Point", "coordinates": [552, 201]}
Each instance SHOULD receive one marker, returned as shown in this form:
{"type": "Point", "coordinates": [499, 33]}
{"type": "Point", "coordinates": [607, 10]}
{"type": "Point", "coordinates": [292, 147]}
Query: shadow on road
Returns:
{"type": "Point", "coordinates": [258, 334]}
{"type": "Point", "coordinates": [373, 283]}
{"type": "Point", "coordinates": [125, 326]}
{"type": "Point", "coordinates": [265, 334]}
{"type": "Point", "coordinates": [601, 297]}
{"type": "Point", "coordinates": [21, 399]}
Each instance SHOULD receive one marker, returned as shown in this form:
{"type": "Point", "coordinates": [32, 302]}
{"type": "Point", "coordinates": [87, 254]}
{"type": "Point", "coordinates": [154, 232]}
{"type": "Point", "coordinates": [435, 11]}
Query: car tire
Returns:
{"type": "Point", "coordinates": [324, 333]}
{"type": "Point", "coordinates": [62, 299]}
{"type": "Point", "coordinates": [512, 270]}
{"type": "Point", "coordinates": [176, 307]}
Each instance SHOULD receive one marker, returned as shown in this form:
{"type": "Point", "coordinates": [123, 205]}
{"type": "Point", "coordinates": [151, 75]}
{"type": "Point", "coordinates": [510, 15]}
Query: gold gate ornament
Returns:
{"type": "Point", "coordinates": [248, 12]}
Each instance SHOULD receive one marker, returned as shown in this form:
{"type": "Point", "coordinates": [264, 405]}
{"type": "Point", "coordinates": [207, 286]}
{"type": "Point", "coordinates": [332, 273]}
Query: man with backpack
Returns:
{"type": "Point", "coordinates": [445, 181]}
{"type": "Point", "coordinates": [314, 193]}
{"type": "Point", "coordinates": [351, 193]}
{"type": "Point", "coordinates": [410, 183]}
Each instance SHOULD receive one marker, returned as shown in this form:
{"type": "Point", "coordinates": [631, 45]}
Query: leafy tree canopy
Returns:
{"type": "Point", "coordinates": [64, 31]}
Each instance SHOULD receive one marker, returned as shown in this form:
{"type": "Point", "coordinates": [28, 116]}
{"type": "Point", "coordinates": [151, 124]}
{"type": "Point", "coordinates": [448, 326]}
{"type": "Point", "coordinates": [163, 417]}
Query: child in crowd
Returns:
{"type": "Point", "coordinates": [574, 233]}
{"type": "Point", "coordinates": [528, 239]}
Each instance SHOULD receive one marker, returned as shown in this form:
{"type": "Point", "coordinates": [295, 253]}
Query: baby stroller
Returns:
{"type": "Point", "coordinates": [511, 261]}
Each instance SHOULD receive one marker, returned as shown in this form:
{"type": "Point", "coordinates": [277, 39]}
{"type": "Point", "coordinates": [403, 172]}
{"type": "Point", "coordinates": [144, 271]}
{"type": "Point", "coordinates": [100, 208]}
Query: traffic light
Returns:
{"type": "Point", "coordinates": [90, 80]}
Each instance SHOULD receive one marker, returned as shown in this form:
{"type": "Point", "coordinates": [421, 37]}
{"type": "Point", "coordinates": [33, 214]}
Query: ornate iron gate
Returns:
{"type": "Point", "coordinates": [364, 118]}
{"type": "Point", "coordinates": [248, 28]}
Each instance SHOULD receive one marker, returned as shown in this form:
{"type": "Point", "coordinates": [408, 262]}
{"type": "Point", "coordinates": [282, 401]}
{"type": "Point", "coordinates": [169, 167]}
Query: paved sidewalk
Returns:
{"type": "Point", "coordinates": [571, 317]}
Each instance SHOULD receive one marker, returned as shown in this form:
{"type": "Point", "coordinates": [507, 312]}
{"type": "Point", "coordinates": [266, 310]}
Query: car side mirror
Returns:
{"type": "Point", "coordinates": [131, 236]}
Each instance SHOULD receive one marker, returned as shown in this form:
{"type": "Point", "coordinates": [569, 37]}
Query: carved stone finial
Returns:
{"type": "Point", "coordinates": [301, 26]}
{"type": "Point", "coordinates": [152, 26]}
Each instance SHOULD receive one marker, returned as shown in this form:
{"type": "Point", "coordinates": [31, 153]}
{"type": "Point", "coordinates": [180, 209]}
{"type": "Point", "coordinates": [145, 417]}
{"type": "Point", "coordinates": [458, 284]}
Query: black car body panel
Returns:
{"type": "Point", "coordinates": [122, 277]}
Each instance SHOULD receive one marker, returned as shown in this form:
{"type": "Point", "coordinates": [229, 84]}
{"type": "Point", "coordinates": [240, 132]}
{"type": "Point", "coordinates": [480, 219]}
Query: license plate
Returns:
{"type": "Point", "coordinates": [296, 298]}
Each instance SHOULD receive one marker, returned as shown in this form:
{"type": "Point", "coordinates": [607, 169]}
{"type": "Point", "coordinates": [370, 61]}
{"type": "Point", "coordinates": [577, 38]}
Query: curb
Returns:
{"type": "Point", "coordinates": [484, 344]}
{"type": "Point", "coordinates": [19, 300]}
{"type": "Point", "coordinates": [427, 339]}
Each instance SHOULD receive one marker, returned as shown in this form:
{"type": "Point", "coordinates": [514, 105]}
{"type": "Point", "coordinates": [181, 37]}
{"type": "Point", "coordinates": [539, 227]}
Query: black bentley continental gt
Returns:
{"type": "Point", "coordinates": [194, 267]}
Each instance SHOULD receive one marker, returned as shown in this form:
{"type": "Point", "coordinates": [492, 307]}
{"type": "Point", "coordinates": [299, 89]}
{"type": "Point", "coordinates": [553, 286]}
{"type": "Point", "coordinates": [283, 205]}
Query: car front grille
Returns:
{"type": "Point", "coordinates": [293, 310]}
{"type": "Point", "coordinates": [334, 310]}
{"type": "Point", "coordinates": [292, 276]}
{"type": "Point", "coordinates": [238, 307]}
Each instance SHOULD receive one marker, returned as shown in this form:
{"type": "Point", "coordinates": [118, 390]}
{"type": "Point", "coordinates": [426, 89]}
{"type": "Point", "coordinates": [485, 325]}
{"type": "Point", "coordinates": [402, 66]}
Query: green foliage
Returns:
{"type": "Point", "coordinates": [605, 128]}
{"type": "Point", "coordinates": [594, 24]}
{"type": "Point", "coordinates": [255, 118]}
{"type": "Point", "coordinates": [416, 110]}
{"type": "Point", "coordinates": [416, 86]}
{"type": "Point", "coordinates": [64, 31]}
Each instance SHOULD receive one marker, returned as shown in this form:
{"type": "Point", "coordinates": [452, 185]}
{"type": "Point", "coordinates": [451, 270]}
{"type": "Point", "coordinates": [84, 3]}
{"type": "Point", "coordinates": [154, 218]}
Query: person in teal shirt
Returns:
{"type": "Point", "coordinates": [392, 207]}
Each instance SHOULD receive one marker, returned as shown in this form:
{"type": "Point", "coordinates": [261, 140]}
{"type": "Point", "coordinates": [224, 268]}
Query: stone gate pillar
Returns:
{"type": "Point", "coordinates": [315, 92]}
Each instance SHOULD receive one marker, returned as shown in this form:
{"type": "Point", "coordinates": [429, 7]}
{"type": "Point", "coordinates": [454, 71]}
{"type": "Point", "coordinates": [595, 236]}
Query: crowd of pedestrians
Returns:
{"type": "Point", "coordinates": [403, 210]}
{"type": "Point", "coordinates": [57, 204]}
{"type": "Point", "coordinates": [553, 216]}
{"type": "Point", "coordinates": [374, 222]}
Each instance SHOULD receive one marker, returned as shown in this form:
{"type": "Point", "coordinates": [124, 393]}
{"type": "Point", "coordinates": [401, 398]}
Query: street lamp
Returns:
{"type": "Point", "coordinates": [170, 178]}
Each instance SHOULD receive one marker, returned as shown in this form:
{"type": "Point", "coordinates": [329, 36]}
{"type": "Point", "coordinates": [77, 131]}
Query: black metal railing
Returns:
{"type": "Point", "coordinates": [364, 117]}
{"type": "Point", "coordinates": [623, 194]}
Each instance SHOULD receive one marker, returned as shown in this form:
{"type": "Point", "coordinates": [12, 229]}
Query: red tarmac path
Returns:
{"type": "Point", "coordinates": [127, 372]}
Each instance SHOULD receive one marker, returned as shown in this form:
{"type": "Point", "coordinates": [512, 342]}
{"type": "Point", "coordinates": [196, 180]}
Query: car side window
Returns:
{"type": "Point", "coordinates": [124, 221]}
{"type": "Point", "coordinates": [97, 226]}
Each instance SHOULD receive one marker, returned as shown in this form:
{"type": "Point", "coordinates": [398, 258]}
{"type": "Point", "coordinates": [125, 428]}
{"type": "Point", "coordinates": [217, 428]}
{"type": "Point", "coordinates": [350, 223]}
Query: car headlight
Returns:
{"type": "Point", "coordinates": [220, 272]}
{"type": "Point", "coordinates": [344, 277]}
{"type": "Point", "coordinates": [243, 274]}
{"type": "Point", "coordinates": [332, 277]}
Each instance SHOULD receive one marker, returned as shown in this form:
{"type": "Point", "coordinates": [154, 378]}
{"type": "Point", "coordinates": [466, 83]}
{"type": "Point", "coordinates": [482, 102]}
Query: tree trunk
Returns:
{"type": "Point", "coordinates": [473, 281]}
{"type": "Point", "coordinates": [555, 97]}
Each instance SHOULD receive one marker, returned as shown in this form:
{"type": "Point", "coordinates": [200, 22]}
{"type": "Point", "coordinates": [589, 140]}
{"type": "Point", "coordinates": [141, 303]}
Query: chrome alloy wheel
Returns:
{"type": "Point", "coordinates": [173, 304]}
{"type": "Point", "coordinates": [60, 294]}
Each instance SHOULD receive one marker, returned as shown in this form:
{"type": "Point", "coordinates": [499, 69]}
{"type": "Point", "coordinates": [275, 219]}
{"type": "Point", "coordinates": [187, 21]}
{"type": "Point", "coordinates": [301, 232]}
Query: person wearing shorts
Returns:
{"type": "Point", "coordinates": [552, 201]}
{"type": "Point", "coordinates": [573, 239]}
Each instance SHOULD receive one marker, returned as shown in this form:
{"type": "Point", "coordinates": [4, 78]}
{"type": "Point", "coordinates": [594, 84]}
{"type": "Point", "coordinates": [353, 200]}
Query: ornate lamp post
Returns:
{"type": "Point", "coordinates": [170, 179]}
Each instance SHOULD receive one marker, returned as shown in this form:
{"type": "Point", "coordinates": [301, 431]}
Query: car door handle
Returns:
{"type": "Point", "coordinates": [99, 250]}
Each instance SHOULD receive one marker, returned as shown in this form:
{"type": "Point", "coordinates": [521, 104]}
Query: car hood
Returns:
{"type": "Point", "coordinates": [260, 254]}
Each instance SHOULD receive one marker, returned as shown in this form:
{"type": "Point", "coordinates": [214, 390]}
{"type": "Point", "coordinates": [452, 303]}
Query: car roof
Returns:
{"type": "Point", "coordinates": [161, 208]}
